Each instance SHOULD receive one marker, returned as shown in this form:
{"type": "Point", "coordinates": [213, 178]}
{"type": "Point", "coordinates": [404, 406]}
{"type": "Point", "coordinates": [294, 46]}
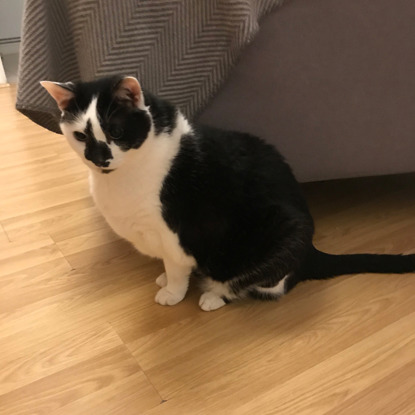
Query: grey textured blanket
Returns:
{"type": "Point", "coordinates": [182, 50]}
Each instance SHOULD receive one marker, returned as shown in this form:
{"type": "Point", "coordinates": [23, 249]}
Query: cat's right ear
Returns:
{"type": "Point", "coordinates": [128, 90]}
{"type": "Point", "coordinates": [62, 93]}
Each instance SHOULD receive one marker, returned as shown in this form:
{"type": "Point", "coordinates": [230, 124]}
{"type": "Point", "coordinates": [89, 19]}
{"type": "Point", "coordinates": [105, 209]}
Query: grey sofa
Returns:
{"type": "Point", "coordinates": [332, 84]}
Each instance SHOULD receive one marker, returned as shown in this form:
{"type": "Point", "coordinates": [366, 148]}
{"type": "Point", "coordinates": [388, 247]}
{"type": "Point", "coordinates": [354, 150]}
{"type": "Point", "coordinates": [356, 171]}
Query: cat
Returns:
{"type": "Point", "coordinates": [220, 204]}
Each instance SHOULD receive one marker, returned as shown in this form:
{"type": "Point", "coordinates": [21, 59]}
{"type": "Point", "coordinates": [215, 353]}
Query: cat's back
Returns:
{"type": "Point", "coordinates": [225, 175]}
{"type": "Point", "coordinates": [231, 161]}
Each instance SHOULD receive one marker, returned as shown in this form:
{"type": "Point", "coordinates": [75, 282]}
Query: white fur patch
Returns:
{"type": "Point", "coordinates": [161, 280]}
{"type": "Point", "coordinates": [166, 297]}
{"type": "Point", "coordinates": [210, 301]}
{"type": "Point", "coordinates": [219, 288]}
{"type": "Point", "coordinates": [92, 114]}
{"type": "Point", "coordinates": [214, 291]}
{"type": "Point", "coordinates": [277, 290]}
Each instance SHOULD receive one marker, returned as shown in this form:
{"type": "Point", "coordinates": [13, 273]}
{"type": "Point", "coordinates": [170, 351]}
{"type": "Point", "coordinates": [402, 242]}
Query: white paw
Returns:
{"type": "Point", "coordinates": [161, 280]}
{"type": "Point", "coordinates": [165, 297]}
{"type": "Point", "coordinates": [210, 301]}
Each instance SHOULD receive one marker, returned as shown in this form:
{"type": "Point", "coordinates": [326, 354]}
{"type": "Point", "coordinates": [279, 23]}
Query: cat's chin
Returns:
{"type": "Point", "coordinates": [100, 170]}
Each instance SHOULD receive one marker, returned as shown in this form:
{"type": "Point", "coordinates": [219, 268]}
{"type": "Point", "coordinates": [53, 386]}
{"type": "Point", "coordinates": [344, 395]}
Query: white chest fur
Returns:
{"type": "Point", "coordinates": [129, 198]}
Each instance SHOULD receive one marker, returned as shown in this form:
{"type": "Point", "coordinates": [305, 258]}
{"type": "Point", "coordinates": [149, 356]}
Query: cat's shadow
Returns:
{"type": "Point", "coordinates": [293, 314]}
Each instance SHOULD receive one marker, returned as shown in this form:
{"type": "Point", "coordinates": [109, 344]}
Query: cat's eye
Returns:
{"type": "Point", "coordinates": [116, 132]}
{"type": "Point", "coordinates": [79, 136]}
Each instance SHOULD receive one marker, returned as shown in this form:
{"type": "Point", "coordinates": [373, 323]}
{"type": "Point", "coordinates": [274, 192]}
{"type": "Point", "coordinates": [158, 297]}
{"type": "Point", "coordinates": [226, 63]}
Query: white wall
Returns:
{"type": "Point", "coordinates": [11, 12]}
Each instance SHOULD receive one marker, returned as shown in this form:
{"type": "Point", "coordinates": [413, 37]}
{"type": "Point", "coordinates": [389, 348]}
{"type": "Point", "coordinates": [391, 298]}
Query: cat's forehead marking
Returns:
{"type": "Point", "coordinates": [92, 121]}
{"type": "Point", "coordinates": [88, 130]}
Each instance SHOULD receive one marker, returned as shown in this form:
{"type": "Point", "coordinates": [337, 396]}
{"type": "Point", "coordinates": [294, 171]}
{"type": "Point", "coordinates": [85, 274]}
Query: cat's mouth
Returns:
{"type": "Point", "coordinates": [106, 171]}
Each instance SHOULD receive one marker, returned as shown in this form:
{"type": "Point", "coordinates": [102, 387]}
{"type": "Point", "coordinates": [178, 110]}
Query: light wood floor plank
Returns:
{"type": "Point", "coordinates": [4, 239]}
{"type": "Point", "coordinates": [328, 383]}
{"type": "Point", "coordinates": [61, 221]}
{"type": "Point", "coordinates": [390, 395]}
{"type": "Point", "coordinates": [35, 283]}
{"type": "Point", "coordinates": [42, 199]}
{"type": "Point", "coordinates": [30, 357]}
{"type": "Point", "coordinates": [54, 392]}
{"type": "Point", "coordinates": [130, 396]}
{"type": "Point", "coordinates": [19, 256]}
{"type": "Point", "coordinates": [81, 243]}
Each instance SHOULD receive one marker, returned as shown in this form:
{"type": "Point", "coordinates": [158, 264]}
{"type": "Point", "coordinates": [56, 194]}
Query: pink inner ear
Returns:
{"type": "Point", "coordinates": [129, 88]}
{"type": "Point", "coordinates": [61, 95]}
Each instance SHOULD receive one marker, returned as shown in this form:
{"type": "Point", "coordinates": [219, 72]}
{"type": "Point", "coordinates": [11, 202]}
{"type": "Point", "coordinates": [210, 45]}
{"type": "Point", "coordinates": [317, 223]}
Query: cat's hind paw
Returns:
{"type": "Point", "coordinates": [210, 301]}
{"type": "Point", "coordinates": [161, 280]}
{"type": "Point", "coordinates": [165, 297]}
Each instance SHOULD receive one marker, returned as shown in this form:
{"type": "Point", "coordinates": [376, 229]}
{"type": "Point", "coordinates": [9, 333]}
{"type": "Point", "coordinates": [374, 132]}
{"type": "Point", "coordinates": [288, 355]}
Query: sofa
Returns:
{"type": "Point", "coordinates": [331, 84]}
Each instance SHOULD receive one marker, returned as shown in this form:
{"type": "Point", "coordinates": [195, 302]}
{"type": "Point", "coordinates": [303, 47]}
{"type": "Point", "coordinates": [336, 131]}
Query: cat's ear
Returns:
{"type": "Point", "coordinates": [62, 93]}
{"type": "Point", "coordinates": [129, 90]}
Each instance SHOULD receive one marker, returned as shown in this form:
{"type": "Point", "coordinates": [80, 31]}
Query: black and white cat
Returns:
{"type": "Point", "coordinates": [223, 204]}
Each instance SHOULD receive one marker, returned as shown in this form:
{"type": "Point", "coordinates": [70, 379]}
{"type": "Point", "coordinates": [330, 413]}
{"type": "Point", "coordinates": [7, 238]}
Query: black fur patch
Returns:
{"type": "Point", "coordinates": [236, 208]}
{"type": "Point", "coordinates": [96, 151]}
{"type": "Point", "coordinates": [163, 113]}
{"type": "Point", "coordinates": [227, 301]}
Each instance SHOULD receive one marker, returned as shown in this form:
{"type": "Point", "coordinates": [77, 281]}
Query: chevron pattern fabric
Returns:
{"type": "Point", "coordinates": [182, 50]}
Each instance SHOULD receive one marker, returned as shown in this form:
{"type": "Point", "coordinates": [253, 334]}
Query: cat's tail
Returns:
{"type": "Point", "coordinates": [320, 265]}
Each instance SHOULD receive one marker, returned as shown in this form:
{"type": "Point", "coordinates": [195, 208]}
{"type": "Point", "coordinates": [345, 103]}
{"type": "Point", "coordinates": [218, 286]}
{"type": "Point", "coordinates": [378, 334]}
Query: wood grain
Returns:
{"type": "Point", "coordinates": [81, 333]}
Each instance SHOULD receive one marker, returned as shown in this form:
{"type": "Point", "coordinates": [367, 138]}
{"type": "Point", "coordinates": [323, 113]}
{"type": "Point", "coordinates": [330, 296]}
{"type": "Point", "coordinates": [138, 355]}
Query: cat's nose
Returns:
{"type": "Point", "coordinates": [99, 153]}
{"type": "Point", "coordinates": [97, 159]}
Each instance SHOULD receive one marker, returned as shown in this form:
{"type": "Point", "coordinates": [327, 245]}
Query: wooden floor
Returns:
{"type": "Point", "coordinates": [81, 334]}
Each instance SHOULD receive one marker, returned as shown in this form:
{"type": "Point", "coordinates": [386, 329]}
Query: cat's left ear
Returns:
{"type": "Point", "coordinates": [129, 90]}
{"type": "Point", "coordinates": [62, 93]}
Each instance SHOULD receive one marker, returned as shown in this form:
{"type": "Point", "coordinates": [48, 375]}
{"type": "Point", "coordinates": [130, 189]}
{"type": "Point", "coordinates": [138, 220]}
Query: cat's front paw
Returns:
{"type": "Point", "coordinates": [210, 301]}
{"type": "Point", "coordinates": [161, 280]}
{"type": "Point", "coordinates": [165, 297]}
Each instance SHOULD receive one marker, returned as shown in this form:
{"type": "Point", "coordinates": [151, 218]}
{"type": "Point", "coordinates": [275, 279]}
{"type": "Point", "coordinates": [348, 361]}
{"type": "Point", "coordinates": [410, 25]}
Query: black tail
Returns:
{"type": "Point", "coordinates": [319, 265]}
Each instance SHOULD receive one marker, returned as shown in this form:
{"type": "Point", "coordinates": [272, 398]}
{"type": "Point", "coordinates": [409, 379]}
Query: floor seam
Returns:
{"type": "Point", "coordinates": [5, 232]}
{"type": "Point", "coordinates": [162, 400]}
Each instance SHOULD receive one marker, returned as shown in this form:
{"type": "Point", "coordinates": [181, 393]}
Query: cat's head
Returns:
{"type": "Point", "coordinates": [102, 120]}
